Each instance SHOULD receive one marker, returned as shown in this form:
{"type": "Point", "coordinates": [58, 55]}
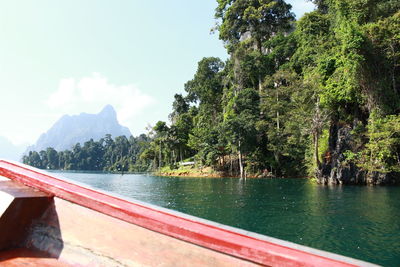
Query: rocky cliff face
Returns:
{"type": "Point", "coordinates": [335, 169]}
{"type": "Point", "coordinates": [69, 130]}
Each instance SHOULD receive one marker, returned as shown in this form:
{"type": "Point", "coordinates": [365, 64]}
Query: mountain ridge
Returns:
{"type": "Point", "coordinates": [72, 129]}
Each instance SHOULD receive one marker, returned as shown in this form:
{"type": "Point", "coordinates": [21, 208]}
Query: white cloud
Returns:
{"type": "Point", "coordinates": [91, 94]}
{"type": "Point", "coordinates": [63, 95]}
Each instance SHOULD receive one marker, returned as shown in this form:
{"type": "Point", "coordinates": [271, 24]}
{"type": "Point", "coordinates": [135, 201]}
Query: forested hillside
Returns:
{"type": "Point", "coordinates": [317, 97]}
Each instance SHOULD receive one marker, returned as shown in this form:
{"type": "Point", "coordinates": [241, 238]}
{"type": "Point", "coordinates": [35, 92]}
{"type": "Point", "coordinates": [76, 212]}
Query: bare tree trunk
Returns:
{"type": "Point", "coordinates": [159, 157]}
{"type": "Point", "coordinates": [260, 87]}
{"type": "Point", "coordinates": [316, 151]}
{"type": "Point", "coordinates": [240, 161]}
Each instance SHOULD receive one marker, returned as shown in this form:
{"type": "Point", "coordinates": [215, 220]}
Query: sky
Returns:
{"type": "Point", "coordinates": [70, 56]}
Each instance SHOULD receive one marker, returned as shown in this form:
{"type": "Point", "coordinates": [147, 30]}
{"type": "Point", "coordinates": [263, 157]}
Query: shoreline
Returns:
{"type": "Point", "coordinates": [207, 172]}
{"type": "Point", "coordinates": [204, 175]}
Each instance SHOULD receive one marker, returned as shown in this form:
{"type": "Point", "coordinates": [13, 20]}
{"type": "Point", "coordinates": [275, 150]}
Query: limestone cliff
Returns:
{"type": "Point", "coordinates": [69, 130]}
{"type": "Point", "coordinates": [336, 170]}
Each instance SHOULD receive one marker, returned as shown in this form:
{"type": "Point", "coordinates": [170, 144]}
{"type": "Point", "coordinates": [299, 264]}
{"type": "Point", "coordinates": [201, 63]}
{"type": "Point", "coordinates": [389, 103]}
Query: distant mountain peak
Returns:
{"type": "Point", "coordinates": [108, 110]}
{"type": "Point", "coordinates": [69, 130]}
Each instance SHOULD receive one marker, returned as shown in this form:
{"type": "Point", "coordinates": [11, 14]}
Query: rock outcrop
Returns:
{"type": "Point", "coordinates": [336, 170]}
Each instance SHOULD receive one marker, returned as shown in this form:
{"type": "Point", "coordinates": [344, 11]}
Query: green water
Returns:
{"type": "Point", "coordinates": [356, 221]}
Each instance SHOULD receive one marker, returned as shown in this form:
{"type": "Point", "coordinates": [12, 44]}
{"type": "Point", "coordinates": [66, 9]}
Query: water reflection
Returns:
{"type": "Point", "coordinates": [361, 222]}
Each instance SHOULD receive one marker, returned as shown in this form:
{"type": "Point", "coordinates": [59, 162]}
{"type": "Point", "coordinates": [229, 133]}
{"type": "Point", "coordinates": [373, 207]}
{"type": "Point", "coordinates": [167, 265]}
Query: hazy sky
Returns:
{"type": "Point", "coordinates": [71, 56]}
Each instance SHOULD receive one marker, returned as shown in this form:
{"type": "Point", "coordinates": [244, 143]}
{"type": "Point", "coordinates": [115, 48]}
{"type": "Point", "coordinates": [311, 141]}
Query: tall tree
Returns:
{"type": "Point", "coordinates": [161, 129]}
{"type": "Point", "coordinates": [206, 89]}
{"type": "Point", "coordinates": [255, 19]}
{"type": "Point", "coordinates": [255, 22]}
{"type": "Point", "coordinates": [240, 125]}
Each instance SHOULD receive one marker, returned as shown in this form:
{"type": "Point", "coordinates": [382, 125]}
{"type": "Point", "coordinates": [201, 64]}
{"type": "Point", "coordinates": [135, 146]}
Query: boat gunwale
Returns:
{"type": "Point", "coordinates": [242, 244]}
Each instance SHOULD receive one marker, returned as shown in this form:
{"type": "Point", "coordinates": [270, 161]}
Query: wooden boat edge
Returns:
{"type": "Point", "coordinates": [242, 244]}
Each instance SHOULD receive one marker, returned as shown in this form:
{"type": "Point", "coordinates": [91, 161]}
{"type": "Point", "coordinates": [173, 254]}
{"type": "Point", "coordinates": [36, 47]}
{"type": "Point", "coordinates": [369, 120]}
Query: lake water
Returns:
{"type": "Point", "coordinates": [356, 221]}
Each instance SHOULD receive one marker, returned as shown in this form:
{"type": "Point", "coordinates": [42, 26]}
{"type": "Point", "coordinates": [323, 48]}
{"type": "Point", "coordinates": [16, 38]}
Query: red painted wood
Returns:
{"type": "Point", "coordinates": [200, 233]}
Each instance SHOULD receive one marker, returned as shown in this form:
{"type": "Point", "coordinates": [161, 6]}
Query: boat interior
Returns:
{"type": "Point", "coordinates": [50, 221]}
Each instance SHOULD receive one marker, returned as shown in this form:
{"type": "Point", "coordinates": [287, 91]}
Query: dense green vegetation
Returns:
{"type": "Point", "coordinates": [315, 96]}
{"type": "Point", "coordinates": [107, 154]}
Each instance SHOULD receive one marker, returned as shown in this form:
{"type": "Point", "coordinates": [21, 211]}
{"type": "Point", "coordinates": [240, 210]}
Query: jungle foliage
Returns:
{"type": "Point", "coordinates": [265, 110]}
